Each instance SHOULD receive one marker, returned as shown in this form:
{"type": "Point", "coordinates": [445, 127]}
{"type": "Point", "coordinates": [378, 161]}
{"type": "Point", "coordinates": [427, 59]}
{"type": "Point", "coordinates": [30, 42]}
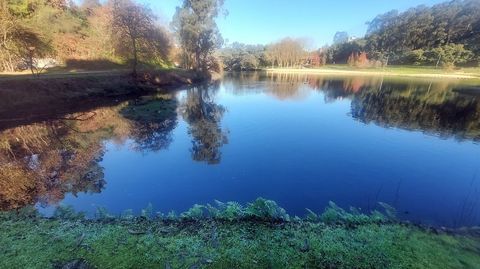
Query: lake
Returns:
{"type": "Point", "coordinates": [301, 140]}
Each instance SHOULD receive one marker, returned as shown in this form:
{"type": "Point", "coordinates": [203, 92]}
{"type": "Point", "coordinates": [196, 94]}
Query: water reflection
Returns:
{"type": "Point", "coordinates": [429, 109]}
{"type": "Point", "coordinates": [203, 115]}
{"type": "Point", "coordinates": [152, 120]}
{"type": "Point", "coordinates": [424, 105]}
{"type": "Point", "coordinates": [43, 161]}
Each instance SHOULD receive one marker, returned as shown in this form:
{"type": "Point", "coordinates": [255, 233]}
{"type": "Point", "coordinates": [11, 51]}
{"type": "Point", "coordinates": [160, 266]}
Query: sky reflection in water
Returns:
{"type": "Point", "coordinates": [299, 140]}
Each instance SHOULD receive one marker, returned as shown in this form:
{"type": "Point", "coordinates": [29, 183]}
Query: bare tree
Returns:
{"type": "Point", "coordinates": [136, 23]}
{"type": "Point", "coordinates": [288, 53]}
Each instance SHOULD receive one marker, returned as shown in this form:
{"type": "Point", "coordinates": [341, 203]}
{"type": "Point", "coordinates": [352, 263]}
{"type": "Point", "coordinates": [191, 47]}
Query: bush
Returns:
{"type": "Point", "coordinates": [229, 211]}
{"type": "Point", "coordinates": [67, 212]}
{"type": "Point", "coordinates": [266, 210]}
{"type": "Point", "coordinates": [197, 212]}
{"type": "Point", "coordinates": [333, 214]}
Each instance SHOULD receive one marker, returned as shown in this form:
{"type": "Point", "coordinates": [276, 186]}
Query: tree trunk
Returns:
{"type": "Point", "coordinates": [135, 57]}
{"type": "Point", "coordinates": [438, 61]}
{"type": "Point", "coordinates": [30, 62]}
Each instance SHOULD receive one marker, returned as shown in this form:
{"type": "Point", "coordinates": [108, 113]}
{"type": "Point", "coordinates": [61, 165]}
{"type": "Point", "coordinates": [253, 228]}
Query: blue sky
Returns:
{"type": "Point", "coordinates": [265, 21]}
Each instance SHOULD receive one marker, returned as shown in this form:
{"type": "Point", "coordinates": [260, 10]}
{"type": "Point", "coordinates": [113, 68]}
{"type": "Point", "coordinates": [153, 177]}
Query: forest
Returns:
{"type": "Point", "coordinates": [446, 35]}
{"type": "Point", "coordinates": [39, 34]}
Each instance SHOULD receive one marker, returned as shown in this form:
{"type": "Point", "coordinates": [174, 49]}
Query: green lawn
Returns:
{"type": "Point", "coordinates": [406, 71]}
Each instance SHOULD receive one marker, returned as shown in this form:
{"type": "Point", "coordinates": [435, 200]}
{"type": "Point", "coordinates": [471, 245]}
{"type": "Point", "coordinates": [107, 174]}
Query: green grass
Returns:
{"type": "Point", "coordinates": [410, 71]}
{"type": "Point", "coordinates": [228, 235]}
{"type": "Point", "coordinates": [42, 243]}
{"type": "Point", "coordinates": [405, 68]}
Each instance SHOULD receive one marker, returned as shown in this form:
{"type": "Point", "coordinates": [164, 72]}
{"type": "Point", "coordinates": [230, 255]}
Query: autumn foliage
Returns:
{"type": "Point", "coordinates": [358, 59]}
{"type": "Point", "coordinates": [120, 31]}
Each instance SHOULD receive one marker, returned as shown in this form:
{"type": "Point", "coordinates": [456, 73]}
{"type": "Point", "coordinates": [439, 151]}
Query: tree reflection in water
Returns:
{"type": "Point", "coordinates": [430, 106]}
{"type": "Point", "coordinates": [152, 122]}
{"type": "Point", "coordinates": [204, 117]}
{"type": "Point", "coordinates": [41, 162]}
{"type": "Point", "coordinates": [442, 113]}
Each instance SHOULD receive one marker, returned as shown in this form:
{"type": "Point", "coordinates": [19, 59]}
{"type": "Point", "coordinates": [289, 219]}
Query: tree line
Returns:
{"type": "Point", "coordinates": [35, 33]}
{"type": "Point", "coordinates": [286, 53]}
{"type": "Point", "coordinates": [444, 35]}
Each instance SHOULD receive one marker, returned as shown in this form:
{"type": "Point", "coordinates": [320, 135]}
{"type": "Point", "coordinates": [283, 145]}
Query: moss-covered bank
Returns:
{"type": "Point", "coordinates": [257, 238]}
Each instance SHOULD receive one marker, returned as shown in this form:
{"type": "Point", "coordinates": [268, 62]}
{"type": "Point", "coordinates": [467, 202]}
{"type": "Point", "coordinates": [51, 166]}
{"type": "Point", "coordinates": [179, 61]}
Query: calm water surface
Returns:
{"type": "Point", "coordinates": [299, 140]}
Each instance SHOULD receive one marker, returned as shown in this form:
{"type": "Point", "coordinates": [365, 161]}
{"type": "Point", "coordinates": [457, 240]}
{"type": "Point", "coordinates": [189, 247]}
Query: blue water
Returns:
{"type": "Point", "coordinates": [303, 147]}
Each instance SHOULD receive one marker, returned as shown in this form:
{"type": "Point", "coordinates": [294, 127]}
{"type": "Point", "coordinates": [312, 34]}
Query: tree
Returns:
{"type": "Point", "coordinates": [197, 32]}
{"type": "Point", "coordinates": [352, 59]}
{"type": "Point", "coordinates": [341, 53]}
{"type": "Point", "coordinates": [132, 22]}
{"type": "Point", "coordinates": [450, 55]}
{"type": "Point", "coordinates": [318, 58]}
{"type": "Point", "coordinates": [340, 37]}
{"type": "Point", "coordinates": [19, 44]}
{"type": "Point", "coordinates": [36, 31]}
{"type": "Point", "coordinates": [288, 52]}
{"type": "Point", "coordinates": [204, 117]}
{"type": "Point", "coordinates": [136, 33]}
{"type": "Point", "coordinates": [396, 34]}
{"type": "Point", "coordinates": [238, 56]}
{"type": "Point", "coordinates": [416, 57]}
{"type": "Point", "coordinates": [362, 60]}
{"type": "Point", "coordinates": [8, 28]}
{"type": "Point", "coordinates": [90, 4]}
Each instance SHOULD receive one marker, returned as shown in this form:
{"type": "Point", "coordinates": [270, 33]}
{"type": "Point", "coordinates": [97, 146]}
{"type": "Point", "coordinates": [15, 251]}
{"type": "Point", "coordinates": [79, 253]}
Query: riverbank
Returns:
{"type": "Point", "coordinates": [229, 236]}
{"type": "Point", "coordinates": [27, 96]}
{"type": "Point", "coordinates": [400, 71]}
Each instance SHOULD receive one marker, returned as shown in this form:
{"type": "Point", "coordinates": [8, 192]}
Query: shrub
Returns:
{"type": "Point", "coordinates": [333, 214]}
{"type": "Point", "coordinates": [147, 212]}
{"type": "Point", "coordinates": [266, 210]}
{"type": "Point", "coordinates": [197, 212]}
{"type": "Point", "coordinates": [67, 212]}
{"type": "Point", "coordinates": [102, 214]}
{"type": "Point", "coordinates": [311, 216]}
{"type": "Point", "coordinates": [127, 215]}
{"type": "Point", "coordinates": [232, 211]}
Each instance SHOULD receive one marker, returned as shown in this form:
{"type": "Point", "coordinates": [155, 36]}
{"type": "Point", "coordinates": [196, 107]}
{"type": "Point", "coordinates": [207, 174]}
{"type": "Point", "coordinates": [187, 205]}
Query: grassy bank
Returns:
{"type": "Point", "coordinates": [403, 71]}
{"type": "Point", "coordinates": [230, 236]}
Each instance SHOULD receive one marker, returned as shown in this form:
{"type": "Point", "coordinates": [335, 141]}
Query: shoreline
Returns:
{"type": "Point", "coordinates": [255, 236]}
{"type": "Point", "coordinates": [30, 97]}
{"type": "Point", "coordinates": [372, 72]}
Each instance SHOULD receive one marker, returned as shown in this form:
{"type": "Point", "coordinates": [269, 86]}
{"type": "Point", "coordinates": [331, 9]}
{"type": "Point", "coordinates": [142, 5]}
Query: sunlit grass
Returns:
{"type": "Point", "coordinates": [410, 71]}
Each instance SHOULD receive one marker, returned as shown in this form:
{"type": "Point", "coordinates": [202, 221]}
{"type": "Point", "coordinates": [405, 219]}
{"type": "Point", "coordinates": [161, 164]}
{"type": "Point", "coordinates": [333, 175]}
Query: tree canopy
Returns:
{"type": "Point", "coordinates": [197, 32]}
{"type": "Point", "coordinates": [450, 28]}
{"type": "Point", "coordinates": [35, 33]}
{"type": "Point", "coordinates": [120, 31]}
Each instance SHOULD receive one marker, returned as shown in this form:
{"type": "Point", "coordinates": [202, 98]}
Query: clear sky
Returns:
{"type": "Point", "coordinates": [265, 21]}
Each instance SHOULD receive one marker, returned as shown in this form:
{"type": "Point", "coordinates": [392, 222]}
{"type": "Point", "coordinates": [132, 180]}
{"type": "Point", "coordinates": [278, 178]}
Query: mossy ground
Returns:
{"type": "Point", "coordinates": [140, 243]}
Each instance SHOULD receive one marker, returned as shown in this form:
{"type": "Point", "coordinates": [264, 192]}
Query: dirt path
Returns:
{"type": "Point", "coordinates": [25, 75]}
